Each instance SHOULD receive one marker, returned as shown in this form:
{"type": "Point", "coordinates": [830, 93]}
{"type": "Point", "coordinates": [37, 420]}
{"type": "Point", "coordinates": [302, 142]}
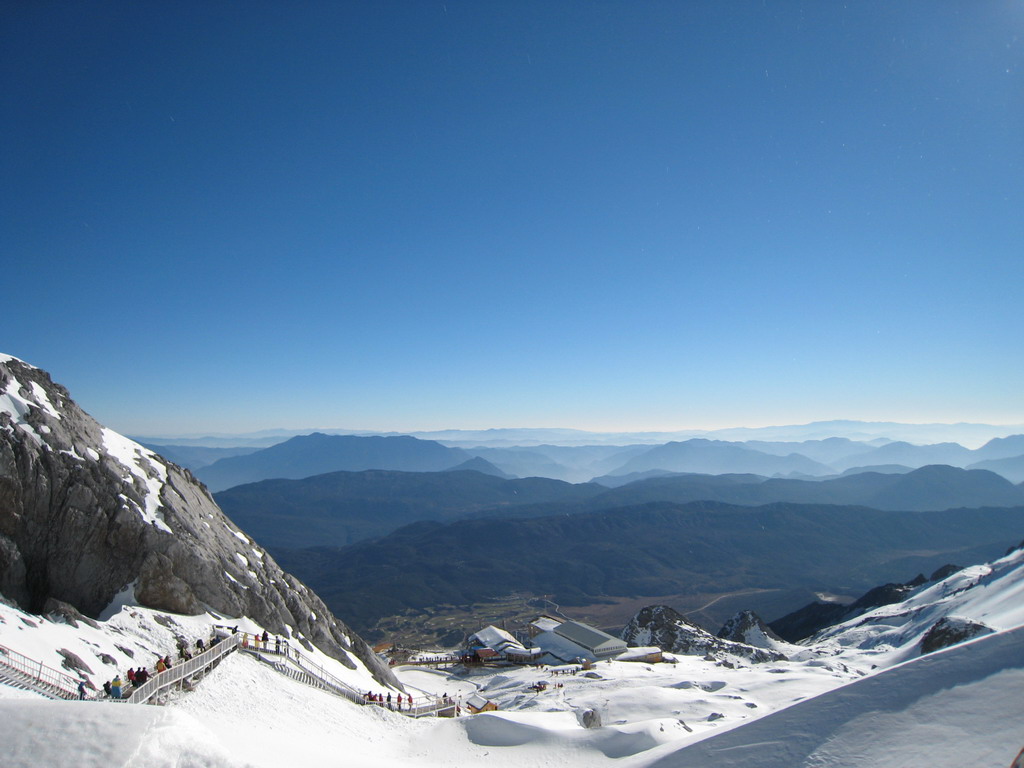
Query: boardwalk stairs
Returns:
{"type": "Point", "coordinates": [25, 673]}
{"type": "Point", "coordinates": [20, 671]}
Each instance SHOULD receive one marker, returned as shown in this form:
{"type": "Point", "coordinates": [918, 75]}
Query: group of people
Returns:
{"type": "Point", "coordinates": [379, 698]}
{"type": "Point", "coordinates": [120, 686]}
{"type": "Point", "coordinates": [136, 678]}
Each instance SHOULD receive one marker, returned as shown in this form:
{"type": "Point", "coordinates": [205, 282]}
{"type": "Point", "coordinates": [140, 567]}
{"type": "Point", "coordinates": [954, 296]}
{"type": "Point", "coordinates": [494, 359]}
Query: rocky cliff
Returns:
{"type": "Point", "coordinates": [671, 631]}
{"type": "Point", "coordinates": [87, 515]}
{"type": "Point", "coordinates": [749, 628]}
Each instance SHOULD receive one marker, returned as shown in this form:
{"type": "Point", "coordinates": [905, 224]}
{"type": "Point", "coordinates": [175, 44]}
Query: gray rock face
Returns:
{"type": "Point", "coordinates": [86, 513]}
{"type": "Point", "coordinates": [669, 630]}
{"type": "Point", "coordinates": [747, 627]}
{"type": "Point", "coordinates": [951, 630]}
{"type": "Point", "coordinates": [588, 718]}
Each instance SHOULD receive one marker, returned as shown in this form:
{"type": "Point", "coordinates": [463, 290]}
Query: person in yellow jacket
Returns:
{"type": "Point", "coordinates": [115, 687]}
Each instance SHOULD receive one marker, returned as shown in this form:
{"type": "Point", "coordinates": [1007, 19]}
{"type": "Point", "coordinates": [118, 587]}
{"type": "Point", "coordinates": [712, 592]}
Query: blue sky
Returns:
{"type": "Point", "coordinates": [605, 215]}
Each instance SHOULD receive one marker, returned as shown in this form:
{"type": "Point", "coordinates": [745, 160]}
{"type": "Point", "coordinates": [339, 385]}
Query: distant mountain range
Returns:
{"type": "Point", "coordinates": [341, 508]}
{"type": "Point", "coordinates": [195, 456]}
{"type": "Point", "coordinates": [864, 431]}
{"type": "Point", "coordinates": [1012, 468]}
{"type": "Point", "coordinates": [309, 455]}
{"type": "Point", "coordinates": [650, 551]}
{"type": "Point", "coordinates": [316, 454]}
{"type": "Point", "coordinates": [928, 488]}
{"type": "Point", "coordinates": [718, 457]}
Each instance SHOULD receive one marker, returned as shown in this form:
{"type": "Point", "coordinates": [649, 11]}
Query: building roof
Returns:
{"type": "Point", "coordinates": [640, 652]}
{"type": "Point", "coordinates": [562, 648]}
{"type": "Point", "coordinates": [588, 637]}
{"type": "Point", "coordinates": [476, 701]}
{"type": "Point", "coordinates": [545, 623]}
{"type": "Point", "coordinates": [497, 640]}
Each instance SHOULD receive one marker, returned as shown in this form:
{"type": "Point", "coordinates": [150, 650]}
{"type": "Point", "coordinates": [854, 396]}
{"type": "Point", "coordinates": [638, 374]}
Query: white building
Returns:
{"type": "Point", "coordinates": [572, 641]}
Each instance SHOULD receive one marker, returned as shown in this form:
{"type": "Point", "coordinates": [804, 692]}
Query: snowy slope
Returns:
{"type": "Point", "coordinates": [991, 594]}
{"type": "Point", "coordinates": [956, 708]}
{"type": "Point", "coordinates": [92, 519]}
{"type": "Point", "coordinates": [131, 638]}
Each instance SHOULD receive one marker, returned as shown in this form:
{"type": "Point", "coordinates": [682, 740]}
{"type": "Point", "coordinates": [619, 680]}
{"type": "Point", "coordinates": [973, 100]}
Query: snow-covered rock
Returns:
{"type": "Point", "coordinates": [93, 519]}
{"type": "Point", "coordinates": [747, 627]}
{"type": "Point", "coordinates": [669, 630]}
{"type": "Point", "coordinates": [950, 630]}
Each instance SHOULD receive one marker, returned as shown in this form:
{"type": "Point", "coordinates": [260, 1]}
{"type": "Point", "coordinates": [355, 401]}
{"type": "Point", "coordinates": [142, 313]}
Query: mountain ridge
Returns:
{"type": "Point", "coordinates": [87, 515]}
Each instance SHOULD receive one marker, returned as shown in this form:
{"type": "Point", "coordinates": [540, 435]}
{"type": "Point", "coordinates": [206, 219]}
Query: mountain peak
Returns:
{"type": "Point", "coordinates": [87, 514]}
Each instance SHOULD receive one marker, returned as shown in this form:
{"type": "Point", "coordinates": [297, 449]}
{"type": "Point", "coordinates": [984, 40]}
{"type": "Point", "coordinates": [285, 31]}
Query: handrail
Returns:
{"type": "Point", "coordinates": [66, 685]}
{"type": "Point", "coordinates": [163, 680]}
{"type": "Point", "coordinates": [340, 687]}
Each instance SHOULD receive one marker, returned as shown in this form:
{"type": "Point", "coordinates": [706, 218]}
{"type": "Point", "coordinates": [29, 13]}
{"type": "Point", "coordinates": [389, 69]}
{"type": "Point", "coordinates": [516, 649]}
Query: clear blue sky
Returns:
{"type": "Point", "coordinates": [604, 215]}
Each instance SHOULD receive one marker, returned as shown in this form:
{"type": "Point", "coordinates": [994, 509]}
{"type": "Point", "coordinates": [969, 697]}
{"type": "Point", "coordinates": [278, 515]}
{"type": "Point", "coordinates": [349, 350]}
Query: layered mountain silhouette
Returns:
{"type": "Point", "coordinates": [648, 551]}
{"type": "Point", "coordinates": [481, 465]}
{"type": "Point", "coordinates": [1011, 468]}
{"type": "Point", "coordinates": [927, 488]}
{"type": "Point", "coordinates": [318, 453]}
{"type": "Point", "coordinates": [718, 457]}
{"type": "Point", "coordinates": [87, 515]}
{"type": "Point", "coordinates": [196, 456]}
{"type": "Point", "coordinates": [340, 508]}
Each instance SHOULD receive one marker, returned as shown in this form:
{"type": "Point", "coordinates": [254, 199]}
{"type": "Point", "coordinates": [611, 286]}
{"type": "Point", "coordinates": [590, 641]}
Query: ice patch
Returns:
{"type": "Point", "coordinates": [137, 460]}
{"type": "Point", "coordinates": [43, 401]}
{"type": "Point", "coordinates": [240, 536]}
{"type": "Point", "coordinates": [242, 560]}
{"type": "Point", "coordinates": [17, 406]}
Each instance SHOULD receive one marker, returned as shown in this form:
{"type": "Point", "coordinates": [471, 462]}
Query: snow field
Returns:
{"type": "Point", "coordinates": [954, 708]}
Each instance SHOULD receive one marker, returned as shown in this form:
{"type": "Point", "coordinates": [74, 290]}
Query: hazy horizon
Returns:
{"type": "Point", "coordinates": [970, 435]}
{"type": "Point", "coordinates": [408, 216]}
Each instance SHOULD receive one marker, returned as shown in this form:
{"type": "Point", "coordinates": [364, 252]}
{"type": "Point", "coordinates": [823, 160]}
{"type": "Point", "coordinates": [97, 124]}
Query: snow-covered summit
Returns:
{"type": "Point", "coordinates": [87, 514]}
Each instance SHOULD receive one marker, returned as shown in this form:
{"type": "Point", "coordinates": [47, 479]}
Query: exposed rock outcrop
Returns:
{"type": "Point", "coordinates": [87, 514]}
{"type": "Point", "coordinates": [814, 617]}
{"type": "Point", "coordinates": [671, 631]}
{"type": "Point", "coordinates": [951, 630]}
{"type": "Point", "coordinates": [747, 627]}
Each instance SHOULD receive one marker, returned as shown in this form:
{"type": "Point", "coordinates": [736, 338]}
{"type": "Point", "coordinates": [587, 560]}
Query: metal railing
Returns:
{"type": "Point", "coordinates": [56, 684]}
{"type": "Point", "coordinates": [45, 680]}
{"type": "Point", "coordinates": [175, 676]}
{"type": "Point", "coordinates": [321, 678]}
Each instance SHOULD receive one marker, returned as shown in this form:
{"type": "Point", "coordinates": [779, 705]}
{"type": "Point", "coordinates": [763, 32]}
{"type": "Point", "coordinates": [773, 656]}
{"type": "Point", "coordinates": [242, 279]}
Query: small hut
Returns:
{"type": "Point", "coordinates": [477, 704]}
